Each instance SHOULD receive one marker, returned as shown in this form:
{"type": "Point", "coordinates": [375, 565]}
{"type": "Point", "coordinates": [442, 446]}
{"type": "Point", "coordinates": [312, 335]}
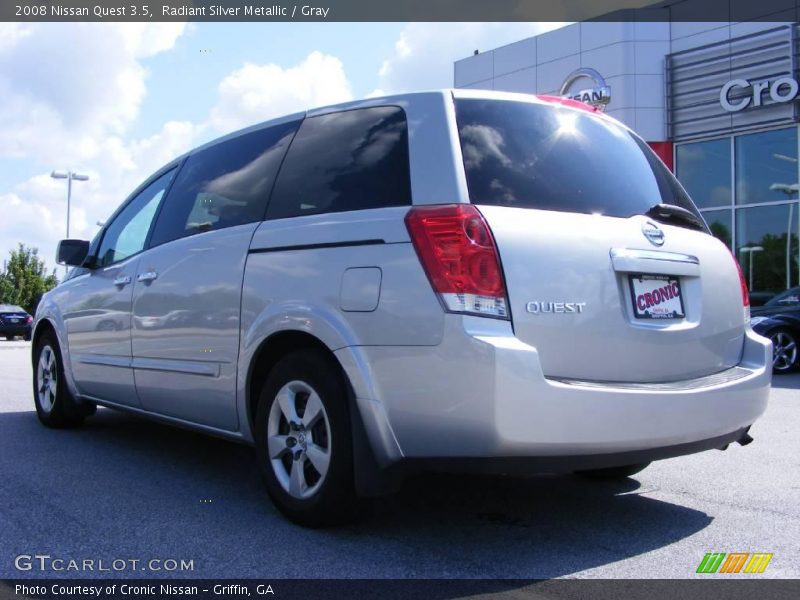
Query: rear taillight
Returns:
{"type": "Point", "coordinates": [743, 286]}
{"type": "Point", "coordinates": [29, 319]}
{"type": "Point", "coordinates": [457, 251]}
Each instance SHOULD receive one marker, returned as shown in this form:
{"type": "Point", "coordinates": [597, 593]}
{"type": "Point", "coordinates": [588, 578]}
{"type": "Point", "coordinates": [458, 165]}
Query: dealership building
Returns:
{"type": "Point", "coordinates": [717, 101]}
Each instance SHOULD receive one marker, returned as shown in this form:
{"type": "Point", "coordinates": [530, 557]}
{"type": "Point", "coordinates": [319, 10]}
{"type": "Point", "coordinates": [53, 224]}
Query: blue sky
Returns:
{"type": "Point", "coordinates": [116, 101]}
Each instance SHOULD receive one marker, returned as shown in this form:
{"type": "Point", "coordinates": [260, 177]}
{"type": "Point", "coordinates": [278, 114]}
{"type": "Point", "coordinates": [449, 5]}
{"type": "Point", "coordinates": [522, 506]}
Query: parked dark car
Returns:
{"type": "Point", "coordinates": [14, 321]}
{"type": "Point", "coordinates": [779, 320]}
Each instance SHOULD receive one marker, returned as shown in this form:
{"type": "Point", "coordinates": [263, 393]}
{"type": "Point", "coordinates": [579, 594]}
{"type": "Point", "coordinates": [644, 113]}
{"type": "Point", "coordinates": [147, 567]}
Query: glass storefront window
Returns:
{"type": "Point", "coordinates": [766, 166]}
{"type": "Point", "coordinates": [704, 169]}
{"type": "Point", "coordinates": [768, 248]}
{"type": "Point", "coordinates": [721, 224]}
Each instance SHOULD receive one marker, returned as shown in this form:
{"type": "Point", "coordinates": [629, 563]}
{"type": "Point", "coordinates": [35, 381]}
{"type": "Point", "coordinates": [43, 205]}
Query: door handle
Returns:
{"type": "Point", "coordinates": [122, 280]}
{"type": "Point", "coordinates": [147, 276]}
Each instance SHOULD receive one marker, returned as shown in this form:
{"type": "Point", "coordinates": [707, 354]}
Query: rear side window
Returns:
{"type": "Point", "coordinates": [344, 161]}
{"type": "Point", "coordinates": [553, 158]}
{"type": "Point", "coordinates": [225, 185]}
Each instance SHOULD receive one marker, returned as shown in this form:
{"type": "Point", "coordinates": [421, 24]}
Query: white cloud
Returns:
{"type": "Point", "coordinates": [256, 93]}
{"type": "Point", "coordinates": [69, 94]}
{"type": "Point", "coordinates": [41, 126]}
{"type": "Point", "coordinates": [63, 86]}
{"type": "Point", "coordinates": [425, 52]}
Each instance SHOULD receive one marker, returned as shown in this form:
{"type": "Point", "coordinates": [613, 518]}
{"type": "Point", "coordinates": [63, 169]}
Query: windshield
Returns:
{"type": "Point", "coordinates": [542, 156]}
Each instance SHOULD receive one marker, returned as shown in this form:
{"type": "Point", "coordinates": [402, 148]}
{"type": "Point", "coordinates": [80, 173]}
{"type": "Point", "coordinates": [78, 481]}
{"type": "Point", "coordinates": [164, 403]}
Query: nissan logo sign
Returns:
{"type": "Point", "coordinates": [598, 95]}
{"type": "Point", "coordinates": [653, 233]}
{"type": "Point", "coordinates": [783, 89]}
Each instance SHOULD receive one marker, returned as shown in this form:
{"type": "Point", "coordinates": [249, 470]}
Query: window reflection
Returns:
{"type": "Point", "coordinates": [767, 246]}
{"type": "Point", "coordinates": [704, 169]}
{"type": "Point", "coordinates": [720, 223]}
{"type": "Point", "coordinates": [766, 166]}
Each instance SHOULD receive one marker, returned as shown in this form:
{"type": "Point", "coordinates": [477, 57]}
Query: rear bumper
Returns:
{"type": "Point", "coordinates": [481, 394]}
{"type": "Point", "coordinates": [21, 330]}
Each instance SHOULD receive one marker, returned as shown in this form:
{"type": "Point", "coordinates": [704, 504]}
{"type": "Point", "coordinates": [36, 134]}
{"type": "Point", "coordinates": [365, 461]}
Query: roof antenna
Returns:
{"type": "Point", "coordinates": [475, 53]}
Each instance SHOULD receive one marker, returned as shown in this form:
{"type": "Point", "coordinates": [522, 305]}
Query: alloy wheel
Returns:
{"type": "Point", "coordinates": [47, 378]}
{"type": "Point", "coordinates": [299, 439]}
{"type": "Point", "coordinates": [784, 351]}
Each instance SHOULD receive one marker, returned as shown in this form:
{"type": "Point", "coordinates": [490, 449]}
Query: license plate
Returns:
{"type": "Point", "coordinates": [656, 297]}
{"type": "Point", "coordinates": [14, 320]}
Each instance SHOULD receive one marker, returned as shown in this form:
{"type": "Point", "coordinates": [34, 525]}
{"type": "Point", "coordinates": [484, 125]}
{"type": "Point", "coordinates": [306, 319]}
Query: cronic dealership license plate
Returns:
{"type": "Point", "coordinates": [656, 297]}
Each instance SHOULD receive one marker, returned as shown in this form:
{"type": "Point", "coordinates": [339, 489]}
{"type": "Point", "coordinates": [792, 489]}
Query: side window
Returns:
{"type": "Point", "coordinates": [127, 233]}
{"type": "Point", "coordinates": [225, 185]}
{"type": "Point", "coordinates": [343, 161]}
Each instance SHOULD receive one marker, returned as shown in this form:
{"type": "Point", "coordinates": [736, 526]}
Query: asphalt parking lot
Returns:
{"type": "Point", "coordinates": [125, 488]}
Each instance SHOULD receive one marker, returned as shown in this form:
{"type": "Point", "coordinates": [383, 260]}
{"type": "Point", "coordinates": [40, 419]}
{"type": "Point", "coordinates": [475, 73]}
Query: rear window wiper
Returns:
{"type": "Point", "coordinates": [670, 212]}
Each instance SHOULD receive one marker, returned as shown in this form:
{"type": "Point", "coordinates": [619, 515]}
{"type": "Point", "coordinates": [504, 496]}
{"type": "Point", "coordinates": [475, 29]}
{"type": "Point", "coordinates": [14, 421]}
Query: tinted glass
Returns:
{"type": "Point", "coordinates": [553, 158]}
{"type": "Point", "coordinates": [343, 161]}
{"type": "Point", "coordinates": [127, 233]}
{"type": "Point", "coordinates": [225, 185]}
{"type": "Point", "coordinates": [766, 166]}
{"type": "Point", "coordinates": [704, 169]}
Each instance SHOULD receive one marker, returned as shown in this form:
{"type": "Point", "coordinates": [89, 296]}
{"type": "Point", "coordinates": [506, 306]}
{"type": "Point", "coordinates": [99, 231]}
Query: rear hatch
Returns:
{"type": "Point", "coordinates": [606, 278]}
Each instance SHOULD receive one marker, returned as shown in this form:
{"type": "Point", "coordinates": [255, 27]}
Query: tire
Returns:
{"type": "Point", "coordinates": [27, 337]}
{"type": "Point", "coordinates": [55, 405]}
{"type": "Point", "coordinates": [9, 338]}
{"type": "Point", "coordinates": [613, 473]}
{"type": "Point", "coordinates": [784, 350]}
{"type": "Point", "coordinates": [312, 492]}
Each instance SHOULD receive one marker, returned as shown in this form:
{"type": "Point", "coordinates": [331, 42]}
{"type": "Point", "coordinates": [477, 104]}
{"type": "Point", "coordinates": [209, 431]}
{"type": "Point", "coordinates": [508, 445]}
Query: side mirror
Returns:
{"type": "Point", "coordinates": [72, 252]}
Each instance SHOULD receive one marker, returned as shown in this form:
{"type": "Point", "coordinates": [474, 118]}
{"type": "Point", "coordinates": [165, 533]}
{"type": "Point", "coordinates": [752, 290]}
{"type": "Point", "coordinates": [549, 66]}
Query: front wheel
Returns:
{"type": "Point", "coordinates": [784, 350]}
{"type": "Point", "coordinates": [304, 440]}
{"type": "Point", "coordinates": [55, 405]}
{"type": "Point", "coordinates": [613, 473]}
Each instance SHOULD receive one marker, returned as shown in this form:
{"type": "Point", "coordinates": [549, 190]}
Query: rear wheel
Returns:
{"type": "Point", "coordinates": [304, 440]}
{"type": "Point", "coordinates": [613, 473]}
{"type": "Point", "coordinates": [55, 406]}
{"type": "Point", "coordinates": [9, 338]}
{"type": "Point", "coordinates": [784, 350]}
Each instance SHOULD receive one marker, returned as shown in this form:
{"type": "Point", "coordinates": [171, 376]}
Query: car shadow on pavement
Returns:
{"type": "Point", "coordinates": [125, 487]}
{"type": "Point", "coordinates": [788, 382]}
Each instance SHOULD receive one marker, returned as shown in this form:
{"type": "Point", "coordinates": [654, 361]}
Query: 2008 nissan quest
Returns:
{"type": "Point", "coordinates": [452, 279]}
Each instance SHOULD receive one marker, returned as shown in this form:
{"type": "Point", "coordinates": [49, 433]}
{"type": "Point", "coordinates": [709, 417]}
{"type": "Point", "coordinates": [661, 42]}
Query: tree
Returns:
{"type": "Point", "coordinates": [24, 280]}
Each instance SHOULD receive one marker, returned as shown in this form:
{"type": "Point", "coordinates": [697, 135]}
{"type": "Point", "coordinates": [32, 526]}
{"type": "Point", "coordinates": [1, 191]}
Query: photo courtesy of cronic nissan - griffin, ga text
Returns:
{"type": "Point", "coordinates": [453, 280]}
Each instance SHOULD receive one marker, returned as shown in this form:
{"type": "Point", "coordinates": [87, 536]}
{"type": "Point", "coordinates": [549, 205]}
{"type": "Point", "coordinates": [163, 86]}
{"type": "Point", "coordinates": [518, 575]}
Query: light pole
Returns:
{"type": "Point", "coordinates": [69, 176]}
{"type": "Point", "coordinates": [751, 250]}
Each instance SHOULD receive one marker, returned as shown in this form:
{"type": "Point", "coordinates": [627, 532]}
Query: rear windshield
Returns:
{"type": "Point", "coordinates": [12, 308]}
{"type": "Point", "coordinates": [529, 155]}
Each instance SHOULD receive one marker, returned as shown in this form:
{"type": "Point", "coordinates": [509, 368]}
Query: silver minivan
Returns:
{"type": "Point", "coordinates": [459, 279]}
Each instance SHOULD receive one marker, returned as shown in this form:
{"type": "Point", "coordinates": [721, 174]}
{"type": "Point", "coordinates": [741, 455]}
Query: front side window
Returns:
{"type": "Point", "coordinates": [351, 160]}
{"type": "Point", "coordinates": [529, 155]}
{"type": "Point", "coordinates": [225, 185]}
{"type": "Point", "coordinates": [127, 233]}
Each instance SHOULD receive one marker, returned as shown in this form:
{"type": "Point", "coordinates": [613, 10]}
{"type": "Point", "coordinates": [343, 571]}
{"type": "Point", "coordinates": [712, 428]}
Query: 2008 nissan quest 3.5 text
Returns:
{"type": "Point", "coordinates": [453, 279]}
